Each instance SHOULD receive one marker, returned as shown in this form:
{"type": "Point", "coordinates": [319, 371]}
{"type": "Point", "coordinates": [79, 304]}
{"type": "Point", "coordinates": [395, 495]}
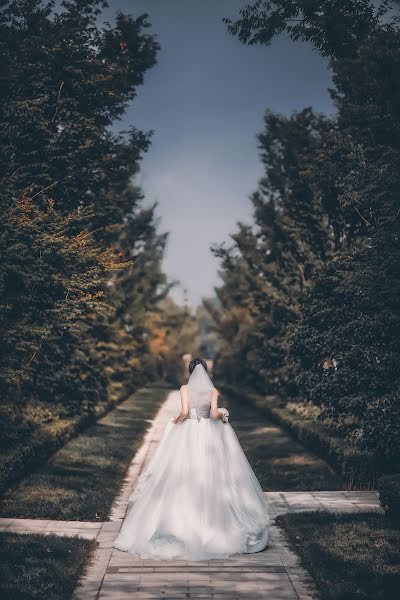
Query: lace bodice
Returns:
{"type": "Point", "coordinates": [195, 413]}
{"type": "Point", "coordinates": [199, 405]}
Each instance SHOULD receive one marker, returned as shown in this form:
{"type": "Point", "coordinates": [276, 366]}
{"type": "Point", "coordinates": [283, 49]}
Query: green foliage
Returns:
{"type": "Point", "coordinates": [389, 496]}
{"type": "Point", "coordinates": [80, 256]}
{"type": "Point", "coordinates": [335, 27]}
{"type": "Point", "coordinates": [317, 272]}
{"type": "Point", "coordinates": [271, 264]}
{"type": "Point", "coordinates": [347, 344]}
{"type": "Point", "coordinates": [52, 283]}
{"type": "Point", "coordinates": [279, 461]}
{"type": "Point", "coordinates": [350, 320]}
{"type": "Point", "coordinates": [64, 82]}
{"type": "Point", "coordinates": [174, 331]}
{"type": "Point", "coordinates": [358, 467]}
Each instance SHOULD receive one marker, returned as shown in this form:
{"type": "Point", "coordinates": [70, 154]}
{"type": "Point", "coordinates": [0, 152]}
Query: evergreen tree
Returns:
{"type": "Point", "coordinates": [52, 284]}
{"type": "Point", "coordinates": [174, 332]}
{"type": "Point", "coordinates": [64, 82]}
{"type": "Point", "coordinates": [344, 344]}
{"type": "Point", "coordinates": [292, 234]}
{"type": "Point", "coordinates": [71, 219]}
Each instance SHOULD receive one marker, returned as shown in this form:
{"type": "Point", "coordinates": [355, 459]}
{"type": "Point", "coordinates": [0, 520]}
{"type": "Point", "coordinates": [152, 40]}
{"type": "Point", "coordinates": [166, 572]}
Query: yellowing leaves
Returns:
{"type": "Point", "coordinates": [158, 337]}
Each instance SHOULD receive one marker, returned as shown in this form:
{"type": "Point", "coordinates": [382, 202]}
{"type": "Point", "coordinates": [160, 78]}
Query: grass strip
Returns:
{"type": "Point", "coordinates": [80, 481]}
{"type": "Point", "coordinates": [350, 556]}
{"type": "Point", "coordinates": [34, 566]}
{"type": "Point", "coordinates": [279, 461]}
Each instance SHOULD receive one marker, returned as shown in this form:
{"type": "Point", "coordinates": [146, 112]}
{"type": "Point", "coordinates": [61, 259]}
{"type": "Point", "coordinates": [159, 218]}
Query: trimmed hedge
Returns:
{"type": "Point", "coordinates": [34, 451]}
{"type": "Point", "coordinates": [359, 468]}
{"type": "Point", "coordinates": [389, 496]}
{"type": "Point", "coordinates": [80, 480]}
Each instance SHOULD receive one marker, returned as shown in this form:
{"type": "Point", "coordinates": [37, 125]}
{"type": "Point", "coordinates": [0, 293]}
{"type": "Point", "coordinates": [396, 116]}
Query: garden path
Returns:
{"type": "Point", "coordinates": [275, 573]}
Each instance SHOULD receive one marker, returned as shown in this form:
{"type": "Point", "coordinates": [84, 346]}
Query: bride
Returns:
{"type": "Point", "coordinates": [198, 498]}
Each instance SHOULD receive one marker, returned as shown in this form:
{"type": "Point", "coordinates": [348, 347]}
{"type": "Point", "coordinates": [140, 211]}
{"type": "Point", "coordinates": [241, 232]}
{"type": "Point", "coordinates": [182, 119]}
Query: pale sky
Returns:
{"type": "Point", "coordinates": [205, 100]}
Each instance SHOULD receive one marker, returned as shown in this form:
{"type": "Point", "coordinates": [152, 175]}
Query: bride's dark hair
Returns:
{"type": "Point", "coordinates": [197, 361]}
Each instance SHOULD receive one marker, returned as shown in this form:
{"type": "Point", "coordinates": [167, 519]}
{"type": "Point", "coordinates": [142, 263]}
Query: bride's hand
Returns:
{"type": "Point", "coordinates": [225, 414]}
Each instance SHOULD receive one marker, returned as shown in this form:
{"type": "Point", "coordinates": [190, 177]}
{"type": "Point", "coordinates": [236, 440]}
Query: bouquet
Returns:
{"type": "Point", "coordinates": [225, 412]}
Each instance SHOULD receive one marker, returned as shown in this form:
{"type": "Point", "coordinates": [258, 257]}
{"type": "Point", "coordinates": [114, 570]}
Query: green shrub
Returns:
{"type": "Point", "coordinates": [347, 346]}
{"type": "Point", "coordinates": [356, 465]}
{"type": "Point", "coordinates": [33, 440]}
{"type": "Point", "coordinates": [389, 496]}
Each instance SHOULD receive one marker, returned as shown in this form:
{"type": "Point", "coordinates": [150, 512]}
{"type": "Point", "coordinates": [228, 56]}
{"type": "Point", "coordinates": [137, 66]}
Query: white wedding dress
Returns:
{"type": "Point", "coordinates": [198, 498]}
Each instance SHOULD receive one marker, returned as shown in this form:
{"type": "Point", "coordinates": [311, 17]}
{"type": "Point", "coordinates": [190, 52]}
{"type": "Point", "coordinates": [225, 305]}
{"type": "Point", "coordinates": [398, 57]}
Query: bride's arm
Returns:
{"type": "Point", "coordinates": [184, 405]}
{"type": "Point", "coordinates": [214, 412]}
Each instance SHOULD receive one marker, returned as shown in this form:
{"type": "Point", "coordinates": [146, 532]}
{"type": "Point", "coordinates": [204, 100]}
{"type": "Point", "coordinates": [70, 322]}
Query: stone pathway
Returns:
{"type": "Point", "coordinates": [274, 573]}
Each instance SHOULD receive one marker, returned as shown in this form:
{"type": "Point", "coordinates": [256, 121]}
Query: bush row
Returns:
{"type": "Point", "coordinates": [47, 438]}
{"type": "Point", "coordinates": [358, 468]}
